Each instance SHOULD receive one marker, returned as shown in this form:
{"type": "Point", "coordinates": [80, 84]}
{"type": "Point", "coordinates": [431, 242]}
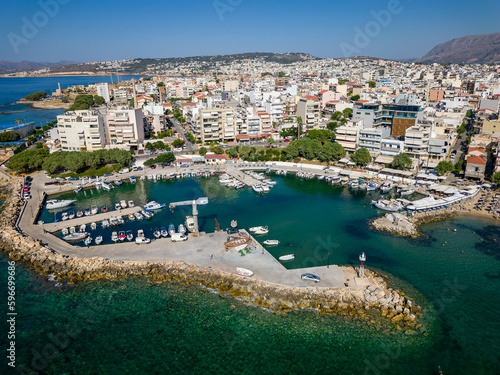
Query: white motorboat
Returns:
{"type": "Point", "coordinates": [388, 205]}
{"type": "Point", "coordinates": [130, 235]}
{"type": "Point", "coordinates": [138, 216]}
{"type": "Point", "coordinates": [386, 186]}
{"type": "Point", "coordinates": [263, 230]}
{"type": "Point", "coordinates": [121, 236]}
{"type": "Point", "coordinates": [271, 242]}
{"type": "Point", "coordinates": [406, 192]}
{"type": "Point", "coordinates": [94, 210]}
{"type": "Point", "coordinates": [88, 241]}
{"type": "Point", "coordinates": [77, 189]}
{"type": "Point", "coordinates": [64, 216]}
{"type": "Point", "coordinates": [72, 229]}
{"type": "Point", "coordinates": [147, 214]}
{"type": "Point", "coordinates": [118, 206]}
{"type": "Point", "coordinates": [190, 223]}
{"type": "Point", "coordinates": [254, 229]}
{"type": "Point", "coordinates": [98, 240]}
{"type": "Point", "coordinates": [164, 232]}
{"type": "Point", "coordinates": [141, 239]}
{"type": "Point", "coordinates": [93, 226]}
{"type": "Point", "coordinates": [114, 236]}
{"type": "Point", "coordinates": [71, 215]}
{"type": "Point", "coordinates": [257, 188]}
{"type": "Point", "coordinates": [82, 228]}
{"type": "Point", "coordinates": [171, 229]}
{"type": "Point", "coordinates": [65, 231]}
{"type": "Point", "coordinates": [181, 229]}
{"type": "Point", "coordinates": [131, 204]}
{"type": "Point", "coordinates": [243, 272]}
{"type": "Point", "coordinates": [287, 257]}
{"type": "Point", "coordinates": [123, 204]}
{"type": "Point", "coordinates": [157, 233]}
{"type": "Point", "coordinates": [105, 224]}
{"type": "Point", "coordinates": [132, 179]}
{"type": "Point", "coordinates": [354, 184]}
{"type": "Point", "coordinates": [107, 186]}
{"type": "Point", "coordinates": [75, 236]}
{"type": "Point", "coordinates": [154, 205]}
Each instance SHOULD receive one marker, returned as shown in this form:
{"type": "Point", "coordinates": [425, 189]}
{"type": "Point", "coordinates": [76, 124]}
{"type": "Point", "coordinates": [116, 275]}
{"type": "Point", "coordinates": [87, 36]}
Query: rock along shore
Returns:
{"type": "Point", "coordinates": [377, 304]}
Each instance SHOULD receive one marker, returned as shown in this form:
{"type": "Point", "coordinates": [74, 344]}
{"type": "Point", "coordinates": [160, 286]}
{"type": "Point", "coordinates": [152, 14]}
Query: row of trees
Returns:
{"type": "Point", "coordinates": [40, 158]}
{"type": "Point", "coordinates": [158, 145]}
{"type": "Point", "coordinates": [161, 159]}
{"type": "Point", "coordinates": [9, 137]}
{"type": "Point", "coordinates": [36, 96]}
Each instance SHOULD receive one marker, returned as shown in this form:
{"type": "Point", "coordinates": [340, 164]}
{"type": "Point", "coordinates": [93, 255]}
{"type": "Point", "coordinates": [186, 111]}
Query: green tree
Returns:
{"type": "Point", "coordinates": [270, 140]}
{"type": "Point", "coordinates": [9, 137]}
{"type": "Point", "coordinates": [355, 98]}
{"type": "Point", "coordinates": [495, 178]}
{"type": "Point", "coordinates": [347, 112]}
{"type": "Point", "coordinates": [177, 143]}
{"type": "Point", "coordinates": [165, 158]}
{"type": "Point", "coordinates": [36, 96]}
{"type": "Point", "coordinates": [160, 84]}
{"type": "Point", "coordinates": [338, 151]}
{"type": "Point", "coordinates": [361, 156]}
{"type": "Point", "coordinates": [281, 74]}
{"type": "Point", "coordinates": [462, 128]}
{"type": "Point", "coordinates": [190, 137]}
{"type": "Point", "coordinates": [232, 152]}
{"type": "Point", "coordinates": [332, 125]}
{"type": "Point", "coordinates": [202, 151]}
{"type": "Point", "coordinates": [459, 166]}
{"type": "Point", "coordinates": [299, 128]}
{"type": "Point", "coordinates": [98, 100]}
{"type": "Point", "coordinates": [217, 150]}
{"type": "Point", "coordinates": [401, 161]}
{"type": "Point", "coordinates": [159, 145]}
{"type": "Point", "coordinates": [336, 115]}
{"type": "Point", "coordinates": [444, 167]}
{"type": "Point", "coordinates": [371, 84]}
{"type": "Point", "coordinates": [131, 103]}
{"type": "Point", "coordinates": [149, 146]}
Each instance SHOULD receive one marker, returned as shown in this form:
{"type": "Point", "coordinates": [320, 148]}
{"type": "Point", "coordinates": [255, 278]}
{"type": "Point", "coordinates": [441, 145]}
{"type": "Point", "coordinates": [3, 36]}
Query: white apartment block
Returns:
{"type": "Point", "coordinates": [81, 131]}
{"type": "Point", "coordinates": [103, 90]}
{"type": "Point", "coordinates": [216, 124]}
{"type": "Point", "coordinates": [275, 108]}
{"type": "Point", "coordinates": [125, 128]}
{"type": "Point", "coordinates": [417, 141]}
{"type": "Point", "coordinates": [230, 86]}
{"type": "Point", "coordinates": [309, 110]}
{"type": "Point", "coordinates": [348, 137]}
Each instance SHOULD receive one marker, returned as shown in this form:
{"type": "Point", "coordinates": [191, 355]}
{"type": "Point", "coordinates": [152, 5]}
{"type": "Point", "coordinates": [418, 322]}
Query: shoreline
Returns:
{"type": "Point", "coordinates": [368, 299]}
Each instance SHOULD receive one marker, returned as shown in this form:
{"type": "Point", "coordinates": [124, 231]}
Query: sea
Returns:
{"type": "Point", "coordinates": [131, 326]}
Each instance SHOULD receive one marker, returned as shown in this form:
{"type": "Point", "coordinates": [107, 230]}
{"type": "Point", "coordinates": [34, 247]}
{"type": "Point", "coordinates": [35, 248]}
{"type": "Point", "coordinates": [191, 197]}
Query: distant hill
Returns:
{"type": "Point", "coordinates": [468, 49]}
{"type": "Point", "coordinates": [25, 65]}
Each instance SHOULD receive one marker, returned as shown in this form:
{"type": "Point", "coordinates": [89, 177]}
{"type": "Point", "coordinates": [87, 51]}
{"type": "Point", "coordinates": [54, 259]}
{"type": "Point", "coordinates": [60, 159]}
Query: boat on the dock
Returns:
{"type": "Point", "coordinates": [133, 179]}
{"type": "Point", "coordinates": [171, 229]}
{"type": "Point", "coordinates": [139, 216]}
{"type": "Point", "coordinates": [120, 220]}
{"type": "Point", "coordinates": [77, 189]}
{"type": "Point", "coordinates": [243, 272]}
{"type": "Point", "coordinates": [118, 183]}
{"type": "Point", "coordinates": [88, 241]}
{"type": "Point", "coordinates": [114, 236]}
{"type": "Point", "coordinates": [65, 231]}
{"type": "Point", "coordinates": [154, 205]}
{"type": "Point", "coordinates": [87, 212]}
{"type": "Point", "coordinates": [287, 257]}
{"type": "Point", "coordinates": [75, 237]}
{"type": "Point", "coordinates": [164, 232]}
{"type": "Point", "coordinates": [72, 229]}
{"type": "Point", "coordinates": [190, 224]}
{"type": "Point", "coordinates": [156, 233]}
{"type": "Point", "coordinates": [104, 209]}
{"type": "Point", "coordinates": [123, 204]}
{"type": "Point", "coordinates": [98, 240]}
{"type": "Point", "coordinates": [271, 242]}
{"type": "Point", "coordinates": [55, 203]}
{"type": "Point", "coordinates": [237, 243]}
{"type": "Point", "coordinates": [107, 185]}
{"type": "Point", "coordinates": [121, 236]}
{"type": "Point", "coordinates": [388, 205]}
{"type": "Point", "coordinates": [71, 215]}
{"type": "Point", "coordinates": [130, 235]}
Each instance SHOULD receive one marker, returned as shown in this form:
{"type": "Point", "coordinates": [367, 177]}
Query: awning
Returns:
{"type": "Point", "coordinates": [384, 159]}
{"type": "Point", "coordinates": [344, 161]}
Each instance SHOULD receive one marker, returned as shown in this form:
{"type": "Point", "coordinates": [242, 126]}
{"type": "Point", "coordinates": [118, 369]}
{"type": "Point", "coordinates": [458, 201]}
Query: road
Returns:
{"type": "Point", "coordinates": [180, 130]}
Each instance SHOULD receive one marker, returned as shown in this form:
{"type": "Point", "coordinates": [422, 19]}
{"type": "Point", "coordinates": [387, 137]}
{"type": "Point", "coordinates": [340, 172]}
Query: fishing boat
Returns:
{"type": "Point", "coordinates": [104, 209]}
{"type": "Point", "coordinates": [171, 229]}
{"type": "Point", "coordinates": [190, 224]}
{"type": "Point", "coordinates": [123, 204]}
{"type": "Point", "coordinates": [77, 189]}
{"type": "Point", "coordinates": [146, 214]}
{"type": "Point", "coordinates": [71, 215]}
{"type": "Point", "coordinates": [118, 206]}
{"type": "Point", "coordinates": [139, 216]}
{"type": "Point", "coordinates": [93, 226]}
{"type": "Point", "coordinates": [105, 224]}
{"type": "Point", "coordinates": [388, 205]}
{"type": "Point", "coordinates": [164, 231]}
{"type": "Point", "coordinates": [72, 229]}
{"type": "Point", "coordinates": [107, 186]}
{"type": "Point", "coordinates": [65, 231]}
{"type": "Point", "coordinates": [79, 214]}
{"type": "Point", "coordinates": [88, 241]}
{"type": "Point", "coordinates": [114, 236]}
{"type": "Point", "coordinates": [243, 272]}
{"type": "Point", "coordinates": [64, 216]}
{"type": "Point", "coordinates": [386, 186]}
{"type": "Point", "coordinates": [82, 228]}
{"type": "Point", "coordinates": [54, 203]}
{"type": "Point", "coordinates": [131, 204]}
{"type": "Point", "coordinates": [130, 235]}
{"type": "Point", "coordinates": [271, 242]}
{"type": "Point", "coordinates": [406, 192]}
{"type": "Point", "coordinates": [141, 239]}
{"type": "Point", "coordinates": [87, 212]}
{"type": "Point", "coordinates": [94, 210]}
{"type": "Point", "coordinates": [257, 188]}
{"type": "Point", "coordinates": [118, 183]}
{"type": "Point", "coordinates": [121, 236]}
{"type": "Point", "coordinates": [133, 179]}
{"type": "Point", "coordinates": [131, 217]}
{"type": "Point", "coordinates": [75, 237]}
{"type": "Point", "coordinates": [287, 257]}
{"type": "Point", "coordinates": [156, 233]}
{"type": "Point", "coordinates": [154, 205]}
{"type": "Point", "coordinates": [98, 240]}
{"type": "Point", "coordinates": [181, 229]}
{"type": "Point", "coordinates": [238, 243]}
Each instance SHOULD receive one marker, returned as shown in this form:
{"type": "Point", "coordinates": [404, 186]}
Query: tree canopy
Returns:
{"type": "Point", "coordinates": [9, 137]}
{"type": "Point", "coordinates": [401, 162]}
{"type": "Point", "coordinates": [202, 151]}
{"type": "Point", "coordinates": [361, 156]}
{"type": "Point", "coordinates": [36, 96]}
{"type": "Point", "coordinates": [444, 167]}
{"type": "Point", "coordinates": [495, 178]}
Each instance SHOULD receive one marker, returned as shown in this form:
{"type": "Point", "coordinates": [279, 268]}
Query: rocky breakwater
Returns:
{"type": "Point", "coordinates": [376, 304]}
{"type": "Point", "coordinates": [397, 224]}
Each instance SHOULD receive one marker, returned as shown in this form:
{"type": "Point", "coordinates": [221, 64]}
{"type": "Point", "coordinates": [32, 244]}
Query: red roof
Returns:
{"type": "Point", "coordinates": [476, 160]}
{"type": "Point", "coordinates": [477, 149]}
{"type": "Point", "coordinates": [215, 157]}
{"type": "Point", "coordinates": [362, 101]}
{"type": "Point", "coordinates": [322, 92]}
{"type": "Point", "coordinates": [311, 97]}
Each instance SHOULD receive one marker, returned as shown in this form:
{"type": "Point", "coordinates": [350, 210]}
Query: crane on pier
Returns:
{"type": "Point", "coordinates": [194, 203]}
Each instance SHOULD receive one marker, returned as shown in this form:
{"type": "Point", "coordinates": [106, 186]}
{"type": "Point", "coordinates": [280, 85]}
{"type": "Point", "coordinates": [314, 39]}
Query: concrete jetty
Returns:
{"type": "Point", "coordinates": [55, 227]}
{"type": "Point", "coordinates": [242, 177]}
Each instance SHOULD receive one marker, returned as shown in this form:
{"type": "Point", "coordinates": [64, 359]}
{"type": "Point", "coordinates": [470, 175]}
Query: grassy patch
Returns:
{"type": "Point", "coordinates": [92, 172]}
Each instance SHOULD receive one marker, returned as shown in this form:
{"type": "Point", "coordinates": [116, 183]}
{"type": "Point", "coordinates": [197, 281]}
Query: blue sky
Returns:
{"type": "Point", "coordinates": [107, 30]}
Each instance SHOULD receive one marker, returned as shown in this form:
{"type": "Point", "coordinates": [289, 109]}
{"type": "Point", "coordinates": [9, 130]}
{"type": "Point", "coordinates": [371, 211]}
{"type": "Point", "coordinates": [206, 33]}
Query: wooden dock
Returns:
{"type": "Point", "coordinates": [55, 227]}
{"type": "Point", "coordinates": [242, 177]}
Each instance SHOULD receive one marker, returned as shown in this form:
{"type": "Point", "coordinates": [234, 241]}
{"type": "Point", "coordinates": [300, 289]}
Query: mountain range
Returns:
{"type": "Point", "coordinates": [25, 65]}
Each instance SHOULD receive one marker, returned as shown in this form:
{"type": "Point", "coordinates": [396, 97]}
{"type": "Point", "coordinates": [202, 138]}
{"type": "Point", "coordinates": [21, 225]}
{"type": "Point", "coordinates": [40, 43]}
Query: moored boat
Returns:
{"type": "Point", "coordinates": [271, 242]}
{"type": "Point", "coordinates": [287, 257]}
{"type": "Point", "coordinates": [88, 241]}
{"type": "Point", "coordinates": [243, 272]}
{"type": "Point", "coordinates": [75, 236]}
{"type": "Point", "coordinates": [181, 229]}
{"type": "Point", "coordinates": [79, 214]}
{"type": "Point", "coordinates": [190, 223]}
{"type": "Point", "coordinates": [130, 235]}
{"type": "Point", "coordinates": [131, 217]}
{"type": "Point", "coordinates": [164, 231]}
{"type": "Point", "coordinates": [114, 236]}
{"type": "Point", "coordinates": [54, 203]}
{"type": "Point", "coordinates": [131, 204]}
{"type": "Point", "coordinates": [156, 233]}
{"type": "Point", "coordinates": [154, 205]}
{"type": "Point", "coordinates": [388, 205]}
{"type": "Point", "coordinates": [121, 236]}
{"type": "Point", "coordinates": [123, 204]}
{"type": "Point", "coordinates": [98, 240]}
{"type": "Point", "coordinates": [171, 229]}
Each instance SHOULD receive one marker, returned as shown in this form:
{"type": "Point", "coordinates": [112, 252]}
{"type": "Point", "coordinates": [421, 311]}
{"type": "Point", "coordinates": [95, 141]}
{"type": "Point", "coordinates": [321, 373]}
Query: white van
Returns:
{"type": "Point", "coordinates": [124, 170]}
{"type": "Point", "coordinates": [178, 237]}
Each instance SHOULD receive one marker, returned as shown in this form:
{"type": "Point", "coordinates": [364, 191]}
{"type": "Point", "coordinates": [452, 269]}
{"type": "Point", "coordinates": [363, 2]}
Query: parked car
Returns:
{"type": "Point", "coordinates": [60, 179]}
{"type": "Point", "coordinates": [310, 277]}
{"type": "Point", "coordinates": [124, 170]}
{"type": "Point", "coordinates": [72, 178]}
{"type": "Point", "coordinates": [153, 167]}
{"type": "Point", "coordinates": [177, 237]}
{"type": "Point", "coordinates": [27, 196]}
{"type": "Point", "coordinates": [108, 174]}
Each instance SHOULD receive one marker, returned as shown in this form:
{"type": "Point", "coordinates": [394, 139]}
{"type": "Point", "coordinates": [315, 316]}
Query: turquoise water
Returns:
{"type": "Point", "coordinates": [133, 327]}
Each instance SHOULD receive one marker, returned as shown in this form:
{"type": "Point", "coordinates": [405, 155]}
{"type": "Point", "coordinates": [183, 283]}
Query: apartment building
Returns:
{"type": "Point", "coordinates": [309, 109]}
{"type": "Point", "coordinates": [275, 108]}
{"type": "Point", "coordinates": [371, 139]}
{"type": "Point", "coordinates": [417, 141]}
{"type": "Point", "coordinates": [399, 116]}
{"type": "Point", "coordinates": [266, 123]}
{"type": "Point", "coordinates": [125, 128]}
{"type": "Point", "coordinates": [216, 124]}
{"type": "Point", "coordinates": [348, 137]}
{"type": "Point", "coordinates": [103, 90]}
{"type": "Point", "coordinates": [230, 86]}
{"type": "Point", "coordinates": [81, 131]}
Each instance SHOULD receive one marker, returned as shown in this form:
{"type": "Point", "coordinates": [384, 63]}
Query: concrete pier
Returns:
{"type": "Point", "coordinates": [55, 227]}
{"type": "Point", "coordinates": [242, 177]}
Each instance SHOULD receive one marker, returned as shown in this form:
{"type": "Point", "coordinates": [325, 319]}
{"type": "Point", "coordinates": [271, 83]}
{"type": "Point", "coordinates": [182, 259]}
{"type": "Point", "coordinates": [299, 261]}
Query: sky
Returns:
{"type": "Point", "coordinates": [90, 30]}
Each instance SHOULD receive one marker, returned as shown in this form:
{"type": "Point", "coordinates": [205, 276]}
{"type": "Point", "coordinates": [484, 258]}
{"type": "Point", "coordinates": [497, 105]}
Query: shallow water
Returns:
{"type": "Point", "coordinates": [131, 326]}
